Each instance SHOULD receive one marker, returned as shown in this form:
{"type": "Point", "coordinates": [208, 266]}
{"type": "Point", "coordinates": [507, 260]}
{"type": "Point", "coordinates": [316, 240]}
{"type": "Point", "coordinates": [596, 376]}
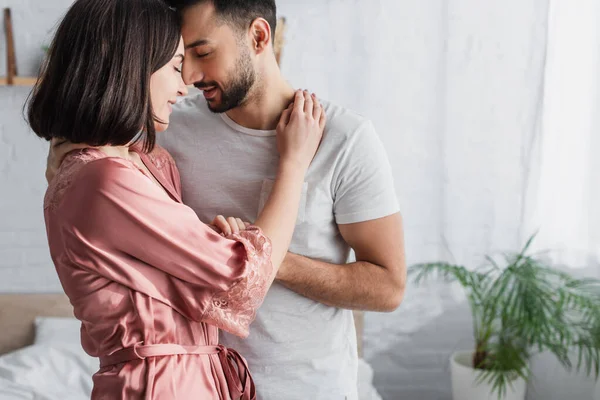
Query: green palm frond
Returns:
{"type": "Point", "coordinates": [521, 307]}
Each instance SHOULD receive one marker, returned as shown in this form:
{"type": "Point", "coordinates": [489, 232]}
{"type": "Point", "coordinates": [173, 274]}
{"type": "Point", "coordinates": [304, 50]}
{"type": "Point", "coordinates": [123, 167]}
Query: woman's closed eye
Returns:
{"type": "Point", "coordinates": [178, 59]}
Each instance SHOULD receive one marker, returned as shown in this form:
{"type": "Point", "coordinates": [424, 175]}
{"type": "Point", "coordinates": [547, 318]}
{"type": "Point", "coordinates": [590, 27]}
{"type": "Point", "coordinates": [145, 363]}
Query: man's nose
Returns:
{"type": "Point", "coordinates": [191, 73]}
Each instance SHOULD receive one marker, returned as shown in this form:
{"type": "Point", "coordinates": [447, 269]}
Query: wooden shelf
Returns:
{"type": "Point", "coordinates": [19, 81]}
{"type": "Point", "coordinates": [11, 58]}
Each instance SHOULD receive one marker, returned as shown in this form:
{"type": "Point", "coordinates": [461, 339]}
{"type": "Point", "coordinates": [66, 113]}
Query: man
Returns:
{"type": "Point", "coordinates": [302, 344]}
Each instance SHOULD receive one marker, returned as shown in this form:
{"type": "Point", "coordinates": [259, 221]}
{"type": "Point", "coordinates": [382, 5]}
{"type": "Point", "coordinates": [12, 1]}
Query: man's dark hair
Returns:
{"type": "Point", "coordinates": [94, 86]}
{"type": "Point", "coordinates": [239, 13]}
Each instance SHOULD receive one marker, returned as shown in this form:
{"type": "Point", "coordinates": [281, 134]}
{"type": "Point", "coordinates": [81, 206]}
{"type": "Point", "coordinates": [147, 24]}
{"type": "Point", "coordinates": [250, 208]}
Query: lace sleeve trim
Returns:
{"type": "Point", "coordinates": [235, 309]}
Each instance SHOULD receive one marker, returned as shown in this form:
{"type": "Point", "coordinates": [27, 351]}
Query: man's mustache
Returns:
{"type": "Point", "coordinates": [204, 85]}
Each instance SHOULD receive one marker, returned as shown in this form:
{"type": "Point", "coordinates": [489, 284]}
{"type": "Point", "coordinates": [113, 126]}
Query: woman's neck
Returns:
{"type": "Point", "coordinates": [117, 151]}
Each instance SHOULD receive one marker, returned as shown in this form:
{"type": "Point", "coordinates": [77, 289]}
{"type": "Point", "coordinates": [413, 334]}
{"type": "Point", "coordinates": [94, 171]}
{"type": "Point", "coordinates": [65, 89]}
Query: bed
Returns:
{"type": "Point", "coordinates": [41, 356]}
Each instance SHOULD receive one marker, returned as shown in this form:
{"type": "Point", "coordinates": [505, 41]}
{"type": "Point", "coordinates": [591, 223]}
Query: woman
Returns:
{"type": "Point", "coordinates": [151, 283]}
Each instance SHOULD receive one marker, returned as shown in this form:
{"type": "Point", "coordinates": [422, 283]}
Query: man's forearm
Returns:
{"type": "Point", "coordinates": [358, 286]}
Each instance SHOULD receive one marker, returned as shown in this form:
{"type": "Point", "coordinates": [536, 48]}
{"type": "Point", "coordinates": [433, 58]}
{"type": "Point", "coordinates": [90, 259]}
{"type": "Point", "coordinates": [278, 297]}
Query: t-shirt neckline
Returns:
{"type": "Point", "coordinates": [253, 132]}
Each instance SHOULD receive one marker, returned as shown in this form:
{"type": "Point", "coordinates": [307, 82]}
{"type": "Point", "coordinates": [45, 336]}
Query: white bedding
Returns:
{"type": "Point", "coordinates": [48, 372]}
{"type": "Point", "coordinates": [57, 368]}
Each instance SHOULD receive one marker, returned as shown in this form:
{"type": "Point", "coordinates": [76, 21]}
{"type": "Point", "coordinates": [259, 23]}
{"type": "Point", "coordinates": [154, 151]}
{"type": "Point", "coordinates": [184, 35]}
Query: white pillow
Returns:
{"type": "Point", "coordinates": [57, 330]}
{"type": "Point", "coordinates": [64, 334]}
{"type": "Point", "coordinates": [58, 372]}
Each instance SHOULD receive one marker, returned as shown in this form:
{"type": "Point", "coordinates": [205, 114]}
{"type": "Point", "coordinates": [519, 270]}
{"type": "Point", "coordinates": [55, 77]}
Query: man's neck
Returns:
{"type": "Point", "coordinates": [263, 110]}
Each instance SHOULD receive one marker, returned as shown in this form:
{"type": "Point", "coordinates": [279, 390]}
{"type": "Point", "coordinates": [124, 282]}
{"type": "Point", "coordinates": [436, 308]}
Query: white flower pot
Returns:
{"type": "Point", "coordinates": [597, 391]}
{"type": "Point", "coordinates": [465, 386]}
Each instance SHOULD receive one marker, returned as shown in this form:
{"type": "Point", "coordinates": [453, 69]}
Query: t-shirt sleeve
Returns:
{"type": "Point", "coordinates": [364, 186]}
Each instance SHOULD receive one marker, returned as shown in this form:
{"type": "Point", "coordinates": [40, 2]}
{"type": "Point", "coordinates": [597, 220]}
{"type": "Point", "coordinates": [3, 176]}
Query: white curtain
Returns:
{"type": "Point", "coordinates": [563, 194]}
{"type": "Point", "coordinates": [562, 201]}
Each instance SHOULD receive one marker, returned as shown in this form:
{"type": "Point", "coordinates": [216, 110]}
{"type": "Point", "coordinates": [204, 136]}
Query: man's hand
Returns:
{"type": "Point", "coordinates": [56, 154]}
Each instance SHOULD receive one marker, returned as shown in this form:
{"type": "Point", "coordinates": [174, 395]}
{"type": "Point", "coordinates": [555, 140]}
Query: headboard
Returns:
{"type": "Point", "coordinates": [18, 312]}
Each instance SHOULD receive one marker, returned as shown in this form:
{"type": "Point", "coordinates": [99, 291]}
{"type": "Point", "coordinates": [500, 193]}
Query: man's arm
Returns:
{"type": "Point", "coordinates": [375, 282]}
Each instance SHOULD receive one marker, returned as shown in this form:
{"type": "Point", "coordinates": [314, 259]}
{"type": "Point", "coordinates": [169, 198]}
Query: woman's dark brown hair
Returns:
{"type": "Point", "coordinates": [94, 86]}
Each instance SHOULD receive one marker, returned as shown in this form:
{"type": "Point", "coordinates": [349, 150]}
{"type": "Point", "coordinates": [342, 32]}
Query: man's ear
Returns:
{"type": "Point", "coordinates": [260, 32]}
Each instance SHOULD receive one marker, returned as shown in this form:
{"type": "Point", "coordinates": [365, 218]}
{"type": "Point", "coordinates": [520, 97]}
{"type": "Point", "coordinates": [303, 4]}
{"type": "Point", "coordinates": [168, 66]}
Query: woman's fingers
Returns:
{"type": "Point", "coordinates": [322, 118]}
{"type": "Point", "coordinates": [233, 224]}
{"type": "Point", "coordinates": [316, 107]}
{"type": "Point", "coordinates": [308, 103]}
{"type": "Point", "coordinates": [299, 102]}
{"type": "Point", "coordinates": [241, 224]}
{"type": "Point", "coordinates": [285, 117]}
{"type": "Point", "coordinates": [221, 223]}
{"type": "Point", "coordinates": [229, 225]}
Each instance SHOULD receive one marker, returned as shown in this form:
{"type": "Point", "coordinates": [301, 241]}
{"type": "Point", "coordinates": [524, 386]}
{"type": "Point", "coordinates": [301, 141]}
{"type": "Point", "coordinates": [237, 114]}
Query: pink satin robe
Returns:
{"type": "Point", "coordinates": [141, 269]}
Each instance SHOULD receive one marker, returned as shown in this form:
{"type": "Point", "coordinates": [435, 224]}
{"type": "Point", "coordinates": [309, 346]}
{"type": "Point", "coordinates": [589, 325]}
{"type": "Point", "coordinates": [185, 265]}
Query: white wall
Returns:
{"type": "Point", "coordinates": [25, 264]}
{"type": "Point", "coordinates": [453, 88]}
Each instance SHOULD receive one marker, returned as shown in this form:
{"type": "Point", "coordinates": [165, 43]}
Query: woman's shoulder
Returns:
{"type": "Point", "coordinates": [165, 164]}
{"type": "Point", "coordinates": [160, 158]}
{"type": "Point", "coordinates": [86, 168]}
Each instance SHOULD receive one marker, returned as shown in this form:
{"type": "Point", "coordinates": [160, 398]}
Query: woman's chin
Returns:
{"type": "Point", "coordinates": [160, 127]}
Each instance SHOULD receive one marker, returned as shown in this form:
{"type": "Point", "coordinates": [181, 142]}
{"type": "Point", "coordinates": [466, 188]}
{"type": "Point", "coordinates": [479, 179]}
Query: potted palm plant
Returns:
{"type": "Point", "coordinates": [520, 306]}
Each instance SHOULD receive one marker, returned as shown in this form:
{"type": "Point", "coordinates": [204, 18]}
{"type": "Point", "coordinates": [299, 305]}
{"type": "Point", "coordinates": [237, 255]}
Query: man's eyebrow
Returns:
{"type": "Point", "coordinates": [196, 43]}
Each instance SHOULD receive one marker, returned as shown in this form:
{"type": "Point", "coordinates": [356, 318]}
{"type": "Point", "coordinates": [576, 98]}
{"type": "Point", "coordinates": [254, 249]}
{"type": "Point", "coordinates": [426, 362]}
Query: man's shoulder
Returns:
{"type": "Point", "coordinates": [191, 118]}
{"type": "Point", "coordinates": [343, 123]}
{"type": "Point", "coordinates": [193, 105]}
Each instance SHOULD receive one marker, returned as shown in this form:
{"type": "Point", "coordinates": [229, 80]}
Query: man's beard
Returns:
{"type": "Point", "coordinates": [236, 93]}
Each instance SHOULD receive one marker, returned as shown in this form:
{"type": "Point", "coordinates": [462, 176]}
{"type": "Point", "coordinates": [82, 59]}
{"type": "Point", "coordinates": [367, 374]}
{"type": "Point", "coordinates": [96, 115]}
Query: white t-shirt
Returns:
{"type": "Point", "coordinates": [298, 349]}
